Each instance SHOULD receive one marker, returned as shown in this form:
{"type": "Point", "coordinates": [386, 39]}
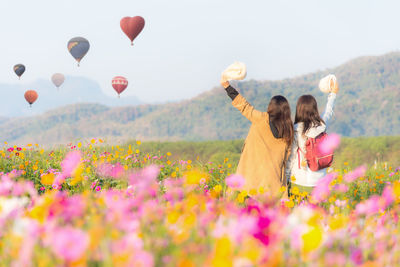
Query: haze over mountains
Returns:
{"type": "Point", "coordinates": [367, 105]}
{"type": "Point", "coordinates": [74, 90]}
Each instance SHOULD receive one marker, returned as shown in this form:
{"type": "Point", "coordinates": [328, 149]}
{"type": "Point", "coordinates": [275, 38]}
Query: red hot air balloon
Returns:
{"type": "Point", "coordinates": [31, 96]}
{"type": "Point", "coordinates": [119, 84]}
{"type": "Point", "coordinates": [132, 26]}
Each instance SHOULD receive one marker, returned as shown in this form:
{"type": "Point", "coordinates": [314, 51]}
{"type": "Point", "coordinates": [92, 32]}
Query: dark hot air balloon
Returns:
{"type": "Point", "coordinates": [57, 79]}
{"type": "Point", "coordinates": [119, 84]}
{"type": "Point", "coordinates": [31, 96]}
{"type": "Point", "coordinates": [78, 47]}
{"type": "Point", "coordinates": [132, 26]}
{"type": "Point", "coordinates": [19, 69]}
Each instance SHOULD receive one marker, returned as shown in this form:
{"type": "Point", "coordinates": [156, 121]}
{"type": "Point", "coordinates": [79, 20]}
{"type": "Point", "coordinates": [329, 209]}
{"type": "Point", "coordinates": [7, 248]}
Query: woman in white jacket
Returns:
{"type": "Point", "coordinates": [308, 124]}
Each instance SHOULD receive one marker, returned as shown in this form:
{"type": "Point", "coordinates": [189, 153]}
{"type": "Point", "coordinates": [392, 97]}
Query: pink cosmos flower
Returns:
{"type": "Point", "coordinates": [352, 176]}
{"type": "Point", "coordinates": [322, 190]}
{"type": "Point", "coordinates": [143, 179]}
{"type": "Point", "coordinates": [70, 162]}
{"type": "Point", "coordinates": [98, 188]}
{"type": "Point", "coordinates": [388, 195]}
{"type": "Point", "coordinates": [235, 181]}
{"type": "Point", "coordinates": [111, 170]}
{"type": "Point", "coordinates": [370, 206]}
{"type": "Point", "coordinates": [330, 143]}
{"type": "Point", "coordinates": [69, 243]}
{"type": "Point", "coordinates": [342, 188]}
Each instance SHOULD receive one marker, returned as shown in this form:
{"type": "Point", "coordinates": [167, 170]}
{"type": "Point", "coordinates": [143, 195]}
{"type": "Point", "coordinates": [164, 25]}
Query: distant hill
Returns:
{"type": "Point", "coordinates": [74, 90]}
{"type": "Point", "coordinates": [368, 105]}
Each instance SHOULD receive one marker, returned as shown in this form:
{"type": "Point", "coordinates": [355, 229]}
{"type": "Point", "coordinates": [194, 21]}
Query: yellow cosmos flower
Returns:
{"type": "Point", "coordinates": [217, 189]}
{"type": "Point", "coordinates": [194, 177]}
{"type": "Point", "coordinates": [312, 239]}
{"type": "Point", "coordinates": [47, 179]}
{"type": "Point", "coordinates": [223, 252]}
{"type": "Point", "coordinates": [289, 204]}
{"type": "Point", "coordinates": [338, 222]}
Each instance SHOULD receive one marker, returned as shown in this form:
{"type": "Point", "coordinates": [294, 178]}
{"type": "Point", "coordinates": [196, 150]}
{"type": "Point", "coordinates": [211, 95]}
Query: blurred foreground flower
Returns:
{"type": "Point", "coordinates": [331, 142]}
{"type": "Point", "coordinates": [235, 181]}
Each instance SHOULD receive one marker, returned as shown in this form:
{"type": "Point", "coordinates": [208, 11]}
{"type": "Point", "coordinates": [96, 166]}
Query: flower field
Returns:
{"type": "Point", "coordinates": [89, 204]}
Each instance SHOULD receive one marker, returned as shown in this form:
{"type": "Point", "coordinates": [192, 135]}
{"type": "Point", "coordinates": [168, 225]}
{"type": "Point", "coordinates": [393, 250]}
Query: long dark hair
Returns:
{"type": "Point", "coordinates": [307, 113]}
{"type": "Point", "coordinates": [279, 114]}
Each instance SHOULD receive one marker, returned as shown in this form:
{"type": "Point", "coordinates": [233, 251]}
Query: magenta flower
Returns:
{"type": "Point", "coordinates": [69, 243]}
{"type": "Point", "coordinates": [331, 142]}
{"type": "Point", "coordinates": [359, 172]}
{"type": "Point", "coordinates": [322, 189]}
{"type": "Point", "coordinates": [356, 256]}
{"type": "Point", "coordinates": [98, 188]}
{"type": "Point", "coordinates": [262, 234]}
{"type": "Point", "coordinates": [235, 181]}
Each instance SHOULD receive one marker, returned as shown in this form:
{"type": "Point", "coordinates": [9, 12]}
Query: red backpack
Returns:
{"type": "Point", "coordinates": [316, 160]}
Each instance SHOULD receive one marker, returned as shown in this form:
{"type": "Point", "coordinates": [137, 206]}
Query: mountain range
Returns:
{"type": "Point", "coordinates": [367, 105]}
{"type": "Point", "coordinates": [74, 90]}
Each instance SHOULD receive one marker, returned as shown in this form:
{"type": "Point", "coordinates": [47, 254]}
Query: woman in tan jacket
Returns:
{"type": "Point", "coordinates": [265, 149]}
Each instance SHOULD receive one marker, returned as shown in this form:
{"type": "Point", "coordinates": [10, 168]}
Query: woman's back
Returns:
{"type": "Point", "coordinates": [297, 169]}
{"type": "Point", "coordinates": [263, 155]}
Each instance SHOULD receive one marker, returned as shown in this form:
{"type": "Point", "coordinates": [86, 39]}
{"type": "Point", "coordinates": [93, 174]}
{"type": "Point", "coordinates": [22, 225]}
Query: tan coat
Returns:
{"type": "Point", "coordinates": [263, 156]}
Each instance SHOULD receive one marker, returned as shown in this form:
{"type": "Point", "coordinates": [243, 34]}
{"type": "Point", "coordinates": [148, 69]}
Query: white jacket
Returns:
{"type": "Point", "coordinates": [303, 175]}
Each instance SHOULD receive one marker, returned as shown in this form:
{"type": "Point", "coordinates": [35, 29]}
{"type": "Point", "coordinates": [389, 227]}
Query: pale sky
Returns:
{"type": "Point", "coordinates": [186, 44]}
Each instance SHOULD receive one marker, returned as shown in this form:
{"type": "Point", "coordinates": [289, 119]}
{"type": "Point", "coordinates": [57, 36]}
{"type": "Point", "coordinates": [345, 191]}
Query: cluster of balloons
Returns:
{"type": "Point", "coordinates": [78, 48]}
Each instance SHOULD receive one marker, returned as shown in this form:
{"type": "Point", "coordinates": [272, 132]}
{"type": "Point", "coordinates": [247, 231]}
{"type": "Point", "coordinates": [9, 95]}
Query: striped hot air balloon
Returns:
{"type": "Point", "coordinates": [119, 84]}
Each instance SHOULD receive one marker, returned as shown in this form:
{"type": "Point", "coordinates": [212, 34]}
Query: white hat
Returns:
{"type": "Point", "coordinates": [236, 71]}
{"type": "Point", "coordinates": [325, 83]}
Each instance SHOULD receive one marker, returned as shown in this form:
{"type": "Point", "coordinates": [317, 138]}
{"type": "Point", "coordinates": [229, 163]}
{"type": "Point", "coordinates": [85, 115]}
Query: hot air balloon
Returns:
{"type": "Point", "coordinates": [31, 96]}
{"type": "Point", "coordinates": [119, 84]}
{"type": "Point", "coordinates": [78, 47]}
{"type": "Point", "coordinates": [58, 79]}
{"type": "Point", "coordinates": [132, 26]}
{"type": "Point", "coordinates": [19, 69]}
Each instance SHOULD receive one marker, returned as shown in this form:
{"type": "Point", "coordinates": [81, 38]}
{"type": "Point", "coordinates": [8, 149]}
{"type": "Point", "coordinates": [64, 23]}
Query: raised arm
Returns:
{"type": "Point", "coordinates": [239, 102]}
{"type": "Point", "coordinates": [330, 104]}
